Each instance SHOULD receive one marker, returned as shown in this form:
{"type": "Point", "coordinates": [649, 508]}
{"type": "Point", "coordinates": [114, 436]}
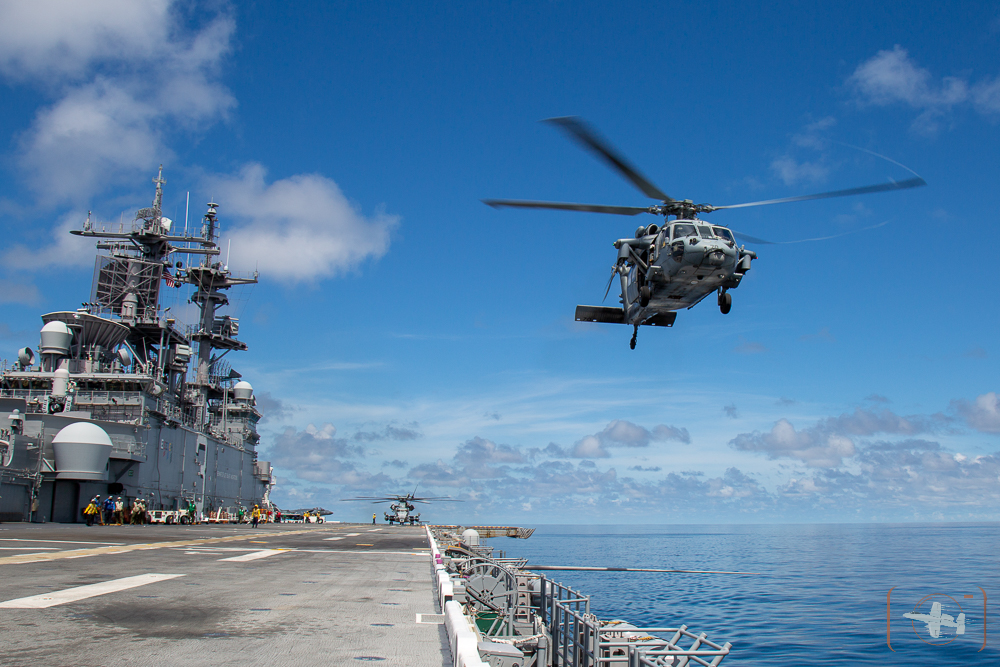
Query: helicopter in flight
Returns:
{"type": "Point", "coordinates": [679, 263]}
{"type": "Point", "coordinates": [401, 507]}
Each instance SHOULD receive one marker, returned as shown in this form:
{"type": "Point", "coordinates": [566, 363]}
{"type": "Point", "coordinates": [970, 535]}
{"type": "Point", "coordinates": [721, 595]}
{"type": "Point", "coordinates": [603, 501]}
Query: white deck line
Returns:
{"type": "Point", "coordinates": [83, 592]}
{"type": "Point", "coordinates": [29, 548]}
{"type": "Point", "coordinates": [16, 539]}
{"type": "Point", "coordinates": [332, 539]}
{"type": "Point", "coordinates": [351, 534]}
{"type": "Point", "coordinates": [263, 553]}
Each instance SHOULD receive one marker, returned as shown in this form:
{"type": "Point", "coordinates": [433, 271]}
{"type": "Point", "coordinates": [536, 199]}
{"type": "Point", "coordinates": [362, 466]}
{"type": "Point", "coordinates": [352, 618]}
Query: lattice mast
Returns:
{"type": "Point", "coordinates": [127, 287]}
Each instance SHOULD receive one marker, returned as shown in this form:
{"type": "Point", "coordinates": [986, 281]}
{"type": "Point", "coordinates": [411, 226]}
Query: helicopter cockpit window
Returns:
{"type": "Point", "coordinates": [682, 230]}
{"type": "Point", "coordinates": [706, 232]}
{"type": "Point", "coordinates": [724, 234]}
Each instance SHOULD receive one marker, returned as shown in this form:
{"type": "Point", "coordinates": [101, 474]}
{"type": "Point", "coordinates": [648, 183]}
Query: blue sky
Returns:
{"type": "Point", "coordinates": [404, 333]}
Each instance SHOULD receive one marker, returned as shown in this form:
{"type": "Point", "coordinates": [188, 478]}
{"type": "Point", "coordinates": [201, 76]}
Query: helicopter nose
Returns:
{"type": "Point", "coordinates": [715, 257]}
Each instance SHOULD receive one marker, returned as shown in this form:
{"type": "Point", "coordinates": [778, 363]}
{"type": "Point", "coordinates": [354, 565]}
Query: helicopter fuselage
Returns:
{"type": "Point", "coordinates": [681, 264]}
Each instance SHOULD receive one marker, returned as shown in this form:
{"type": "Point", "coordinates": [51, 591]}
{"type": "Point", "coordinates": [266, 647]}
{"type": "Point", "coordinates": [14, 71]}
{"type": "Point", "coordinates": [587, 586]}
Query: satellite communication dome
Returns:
{"type": "Point", "coordinates": [83, 433]}
{"type": "Point", "coordinates": [242, 391]}
{"type": "Point", "coordinates": [55, 338]}
{"type": "Point", "coordinates": [82, 451]}
{"type": "Point", "coordinates": [470, 537]}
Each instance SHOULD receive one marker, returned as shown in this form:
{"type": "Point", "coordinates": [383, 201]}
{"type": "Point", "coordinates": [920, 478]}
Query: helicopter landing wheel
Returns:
{"type": "Point", "coordinates": [644, 294]}
{"type": "Point", "coordinates": [635, 336]}
{"type": "Point", "coordinates": [725, 302]}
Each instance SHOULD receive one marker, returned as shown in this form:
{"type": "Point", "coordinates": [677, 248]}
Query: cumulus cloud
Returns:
{"type": "Point", "coordinates": [792, 172]}
{"type": "Point", "coordinates": [317, 455]}
{"type": "Point", "coordinates": [829, 442]}
{"type": "Point", "coordinates": [887, 479]}
{"type": "Point", "coordinates": [983, 414]}
{"type": "Point", "coordinates": [811, 446]}
{"type": "Point", "coordinates": [914, 479]}
{"type": "Point", "coordinates": [124, 81]}
{"type": "Point", "coordinates": [438, 474]}
{"type": "Point", "coordinates": [621, 433]}
{"type": "Point", "coordinates": [124, 75]}
{"type": "Point", "coordinates": [273, 409]}
{"type": "Point", "coordinates": [811, 135]}
{"type": "Point", "coordinates": [388, 432]}
{"type": "Point", "coordinates": [64, 250]}
{"type": "Point", "coordinates": [49, 38]}
{"type": "Point", "coordinates": [892, 77]}
{"type": "Point", "coordinates": [300, 228]}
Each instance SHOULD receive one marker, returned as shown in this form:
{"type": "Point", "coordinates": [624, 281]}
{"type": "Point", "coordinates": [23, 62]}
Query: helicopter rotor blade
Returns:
{"type": "Point", "coordinates": [867, 189]}
{"type": "Point", "coordinates": [565, 206]}
{"type": "Point", "coordinates": [589, 138]}
{"type": "Point", "coordinates": [751, 239]}
{"type": "Point", "coordinates": [607, 290]}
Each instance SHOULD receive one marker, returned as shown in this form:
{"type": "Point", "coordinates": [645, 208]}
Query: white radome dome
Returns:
{"type": "Point", "coordinates": [83, 433]}
{"type": "Point", "coordinates": [56, 327]}
{"type": "Point", "coordinates": [242, 391]}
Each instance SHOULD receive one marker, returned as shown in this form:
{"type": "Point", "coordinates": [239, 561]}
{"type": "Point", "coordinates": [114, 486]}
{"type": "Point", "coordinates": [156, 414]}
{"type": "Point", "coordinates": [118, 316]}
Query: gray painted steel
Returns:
{"type": "Point", "coordinates": [180, 431]}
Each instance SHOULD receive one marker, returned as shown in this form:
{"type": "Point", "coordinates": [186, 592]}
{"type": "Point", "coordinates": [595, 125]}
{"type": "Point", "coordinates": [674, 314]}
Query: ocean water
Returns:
{"type": "Point", "coordinates": [822, 595]}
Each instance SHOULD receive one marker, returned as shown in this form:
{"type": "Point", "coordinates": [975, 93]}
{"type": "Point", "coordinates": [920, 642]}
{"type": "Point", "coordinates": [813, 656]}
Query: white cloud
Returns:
{"type": "Point", "coordinates": [827, 443]}
{"type": "Point", "coordinates": [986, 96]}
{"type": "Point", "coordinates": [892, 77]}
{"type": "Point", "coordinates": [125, 75]}
{"type": "Point", "coordinates": [300, 228]}
{"type": "Point", "coordinates": [983, 414]}
{"type": "Point", "coordinates": [126, 78]}
{"type": "Point", "coordinates": [791, 171]}
{"type": "Point", "coordinates": [65, 250]}
{"type": "Point", "coordinates": [815, 449]}
{"type": "Point", "coordinates": [62, 38]}
{"type": "Point", "coordinates": [621, 433]}
{"type": "Point", "coordinates": [317, 455]}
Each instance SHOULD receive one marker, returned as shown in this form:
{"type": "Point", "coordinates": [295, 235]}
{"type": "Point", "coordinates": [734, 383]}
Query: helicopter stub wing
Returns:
{"type": "Point", "coordinates": [661, 320]}
{"type": "Point", "coordinates": [605, 314]}
{"type": "Point", "coordinates": [610, 315]}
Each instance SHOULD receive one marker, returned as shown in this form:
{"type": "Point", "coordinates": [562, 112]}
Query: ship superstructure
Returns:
{"type": "Point", "coordinates": [181, 425]}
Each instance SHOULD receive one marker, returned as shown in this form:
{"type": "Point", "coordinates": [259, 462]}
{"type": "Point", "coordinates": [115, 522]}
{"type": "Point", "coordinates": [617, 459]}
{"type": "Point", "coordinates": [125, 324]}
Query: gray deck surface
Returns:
{"type": "Point", "coordinates": [322, 602]}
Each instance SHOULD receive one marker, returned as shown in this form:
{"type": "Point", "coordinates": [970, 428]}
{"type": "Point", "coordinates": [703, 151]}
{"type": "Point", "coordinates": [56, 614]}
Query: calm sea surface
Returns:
{"type": "Point", "coordinates": [821, 595]}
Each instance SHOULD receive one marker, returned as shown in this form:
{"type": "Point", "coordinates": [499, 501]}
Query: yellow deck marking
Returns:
{"type": "Point", "coordinates": [118, 549]}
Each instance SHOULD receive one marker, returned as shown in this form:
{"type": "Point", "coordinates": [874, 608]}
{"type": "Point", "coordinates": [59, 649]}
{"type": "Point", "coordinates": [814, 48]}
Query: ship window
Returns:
{"type": "Point", "coordinates": [724, 234]}
{"type": "Point", "coordinates": [680, 231]}
{"type": "Point", "coordinates": [706, 232]}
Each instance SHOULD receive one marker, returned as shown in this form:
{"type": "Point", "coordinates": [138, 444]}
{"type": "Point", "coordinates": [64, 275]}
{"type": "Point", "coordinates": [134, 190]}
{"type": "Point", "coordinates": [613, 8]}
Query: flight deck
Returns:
{"type": "Point", "coordinates": [280, 594]}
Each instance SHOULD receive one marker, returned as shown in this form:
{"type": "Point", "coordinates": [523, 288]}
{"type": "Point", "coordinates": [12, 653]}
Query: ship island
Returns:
{"type": "Point", "coordinates": [122, 399]}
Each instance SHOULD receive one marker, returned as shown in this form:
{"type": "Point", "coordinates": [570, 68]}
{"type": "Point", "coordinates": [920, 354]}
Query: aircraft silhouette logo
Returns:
{"type": "Point", "coordinates": [936, 620]}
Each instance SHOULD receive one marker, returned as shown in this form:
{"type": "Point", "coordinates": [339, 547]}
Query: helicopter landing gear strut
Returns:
{"type": "Point", "coordinates": [635, 335]}
{"type": "Point", "coordinates": [725, 302]}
